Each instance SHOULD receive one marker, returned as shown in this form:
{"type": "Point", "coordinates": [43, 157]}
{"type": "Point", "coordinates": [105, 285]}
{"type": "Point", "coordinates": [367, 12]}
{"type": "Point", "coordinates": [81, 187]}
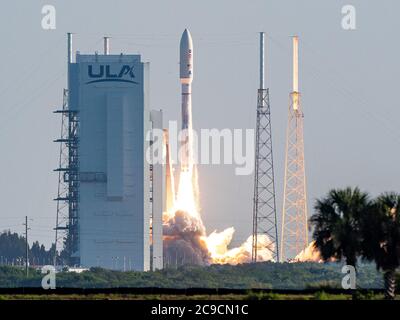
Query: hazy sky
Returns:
{"type": "Point", "coordinates": [348, 79]}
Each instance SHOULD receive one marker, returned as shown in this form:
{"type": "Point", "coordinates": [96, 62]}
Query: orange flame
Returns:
{"type": "Point", "coordinates": [309, 254]}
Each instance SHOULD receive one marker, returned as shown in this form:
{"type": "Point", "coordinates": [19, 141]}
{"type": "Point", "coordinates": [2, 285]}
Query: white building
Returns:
{"type": "Point", "coordinates": [111, 95]}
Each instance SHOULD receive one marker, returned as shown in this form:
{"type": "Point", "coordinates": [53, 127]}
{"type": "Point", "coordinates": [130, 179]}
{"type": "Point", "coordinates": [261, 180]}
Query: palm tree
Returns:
{"type": "Point", "coordinates": [381, 234]}
{"type": "Point", "coordinates": [337, 232]}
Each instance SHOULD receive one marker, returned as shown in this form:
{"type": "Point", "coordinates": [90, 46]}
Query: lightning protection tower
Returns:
{"type": "Point", "coordinates": [265, 233]}
{"type": "Point", "coordinates": [294, 216]}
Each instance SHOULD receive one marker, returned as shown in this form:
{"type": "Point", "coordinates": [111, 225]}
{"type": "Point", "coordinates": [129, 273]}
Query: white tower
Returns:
{"type": "Point", "coordinates": [294, 234]}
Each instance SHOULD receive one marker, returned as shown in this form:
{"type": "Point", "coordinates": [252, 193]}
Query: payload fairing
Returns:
{"type": "Point", "coordinates": [186, 76]}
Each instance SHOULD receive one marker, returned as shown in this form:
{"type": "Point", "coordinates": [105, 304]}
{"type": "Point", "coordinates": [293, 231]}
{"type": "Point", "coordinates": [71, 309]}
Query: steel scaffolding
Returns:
{"type": "Point", "coordinates": [265, 231]}
{"type": "Point", "coordinates": [66, 230]}
{"type": "Point", "coordinates": [294, 215]}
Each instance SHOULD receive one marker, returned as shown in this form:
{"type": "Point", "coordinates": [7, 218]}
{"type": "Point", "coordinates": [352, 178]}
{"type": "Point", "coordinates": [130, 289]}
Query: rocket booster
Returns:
{"type": "Point", "coordinates": [186, 77]}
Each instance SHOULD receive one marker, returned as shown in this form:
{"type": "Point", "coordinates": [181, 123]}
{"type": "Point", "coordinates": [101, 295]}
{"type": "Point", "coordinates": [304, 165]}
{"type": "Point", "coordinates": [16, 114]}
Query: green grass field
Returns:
{"type": "Point", "coordinates": [319, 295]}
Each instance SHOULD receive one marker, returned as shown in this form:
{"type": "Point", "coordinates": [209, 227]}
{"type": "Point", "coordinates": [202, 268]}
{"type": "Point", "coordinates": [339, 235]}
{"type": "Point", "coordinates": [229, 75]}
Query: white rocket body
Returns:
{"type": "Point", "coordinates": [186, 77]}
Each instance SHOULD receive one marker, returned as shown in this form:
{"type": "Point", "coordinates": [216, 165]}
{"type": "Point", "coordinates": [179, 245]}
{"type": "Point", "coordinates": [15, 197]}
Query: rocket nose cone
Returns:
{"type": "Point", "coordinates": [186, 40]}
{"type": "Point", "coordinates": [186, 57]}
{"type": "Point", "coordinates": [186, 33]}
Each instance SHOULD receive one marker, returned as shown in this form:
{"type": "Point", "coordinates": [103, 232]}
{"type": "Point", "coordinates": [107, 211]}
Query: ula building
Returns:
{"type": "Point", "coordinates": [110, 198]}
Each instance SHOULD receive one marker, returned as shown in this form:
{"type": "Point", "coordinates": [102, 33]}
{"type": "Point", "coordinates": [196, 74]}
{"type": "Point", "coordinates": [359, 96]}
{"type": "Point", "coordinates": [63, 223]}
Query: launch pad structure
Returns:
{"type": "Point", "coordinates": [66, 229]}
{"type": "Point", "coordinates": [264, 202]}
{"type": "Point", "coordinates": [109, 199]}
{"type": "Point", "coordinates": [98, 189]}
{"type": "Point", "coordinates": [294, 232]}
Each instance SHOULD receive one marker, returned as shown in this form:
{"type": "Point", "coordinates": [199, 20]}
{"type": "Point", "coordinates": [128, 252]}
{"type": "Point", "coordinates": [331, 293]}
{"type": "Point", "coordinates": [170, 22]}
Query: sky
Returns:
{"type": "Point", "coordinates": [348, 81]}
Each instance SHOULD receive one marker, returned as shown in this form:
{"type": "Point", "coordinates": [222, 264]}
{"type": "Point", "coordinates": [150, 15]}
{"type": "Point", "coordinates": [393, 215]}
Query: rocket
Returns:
{"type": "Point", "coordinates": [186, 77]}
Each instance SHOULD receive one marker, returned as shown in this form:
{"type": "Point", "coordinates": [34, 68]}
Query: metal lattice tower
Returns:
{"type": "Point", "coordinates": [265, 232]}
{"type": "Point", "coordinates": [62, 192]}
{"type": "Point", "coordinates": [66, 229]}
{"type": "Point", "coordinates": [294, 216]}
{"type": "Point", "coordinates": [68, 184]}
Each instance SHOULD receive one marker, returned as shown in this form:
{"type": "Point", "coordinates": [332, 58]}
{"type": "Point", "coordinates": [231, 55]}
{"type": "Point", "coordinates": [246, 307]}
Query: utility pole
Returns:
{"type": "Point", "coordinates": [26, 247]}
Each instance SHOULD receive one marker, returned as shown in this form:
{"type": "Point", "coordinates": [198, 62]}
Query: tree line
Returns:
{"type": "Point", "coordinates": [350, 225]}
{"type": "Point", "coordinates": [13, 251]}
